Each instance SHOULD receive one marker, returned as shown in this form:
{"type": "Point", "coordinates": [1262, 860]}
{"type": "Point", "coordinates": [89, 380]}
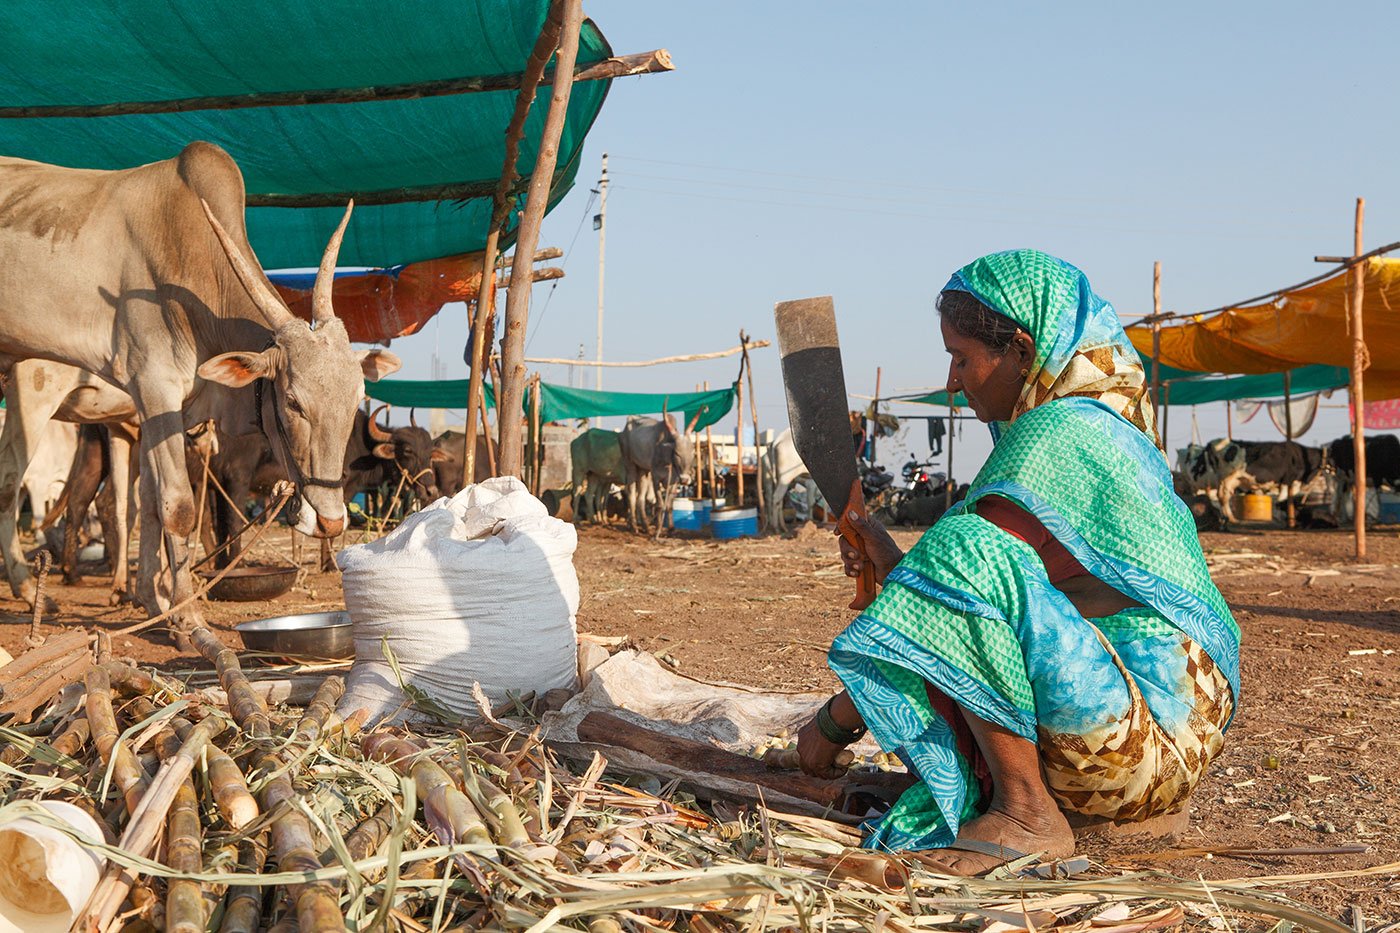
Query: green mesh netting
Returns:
{"type": "Point", "coordinates": [697, 410]}
{"type": "Point", "coordinates": [109, 51]}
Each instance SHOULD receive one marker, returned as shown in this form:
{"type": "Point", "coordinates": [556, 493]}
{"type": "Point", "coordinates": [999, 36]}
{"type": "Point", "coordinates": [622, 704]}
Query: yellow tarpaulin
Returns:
{"type": "Point", "coordinates": [1300, 327]}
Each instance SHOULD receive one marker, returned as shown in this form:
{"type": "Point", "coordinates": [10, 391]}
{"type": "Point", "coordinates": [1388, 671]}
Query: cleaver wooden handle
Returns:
{"type": "Point", "coordinates": [865, 583]}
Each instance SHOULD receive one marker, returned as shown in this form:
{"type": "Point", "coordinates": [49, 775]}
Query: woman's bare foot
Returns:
{"type": "Point", "coordinates": [1047, 833]}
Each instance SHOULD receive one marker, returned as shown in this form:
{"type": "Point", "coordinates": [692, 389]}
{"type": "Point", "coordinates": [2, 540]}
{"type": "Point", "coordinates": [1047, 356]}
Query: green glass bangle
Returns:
{"type": "Point", "coordinates": [832, 731]}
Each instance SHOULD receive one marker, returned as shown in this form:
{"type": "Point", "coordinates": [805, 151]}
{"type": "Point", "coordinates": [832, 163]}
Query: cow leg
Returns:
{"type": "Point", "coordinates": [83, 481]}
{"type": "Point", "coordinates": [152, 584]}
{"type": "Point", "coordinates": [120, 447]}
{"type": "Point", "coordinates": [30, 409]}
{"type": "Point", "coordinates": [163, 457]}
{"type": "Point", "coordinates": [633, 495]}
{"type": "Point", "coordinates": [1225, 492]}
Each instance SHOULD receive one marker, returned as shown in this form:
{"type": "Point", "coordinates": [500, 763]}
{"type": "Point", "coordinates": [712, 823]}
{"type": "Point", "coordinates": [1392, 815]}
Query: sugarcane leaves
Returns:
{"type": "Point", "coordinates": [393, 854]}
{"type": "Point", "coordinates": [421, 701]}
{"type": "Point", "coordinates": [156, 719]}
{"type": "Point", "coordinates": [41, 751]}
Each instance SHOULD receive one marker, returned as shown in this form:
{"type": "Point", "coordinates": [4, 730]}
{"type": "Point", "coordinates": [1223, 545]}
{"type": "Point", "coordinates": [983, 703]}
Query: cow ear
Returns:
{"type": "Point", "coordinates": [376, 364]}
{"type": "Point", "coordinates": [238, 368]}
{"type": "Point", "coordinates": [438, 455]}
{"type": "Point", "coordinates": [384, 451]}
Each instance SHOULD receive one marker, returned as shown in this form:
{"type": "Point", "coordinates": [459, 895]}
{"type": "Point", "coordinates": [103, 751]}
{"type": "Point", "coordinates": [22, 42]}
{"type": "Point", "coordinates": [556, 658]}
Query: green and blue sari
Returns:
{"type": "Point", "coordinates": [1127, 710]}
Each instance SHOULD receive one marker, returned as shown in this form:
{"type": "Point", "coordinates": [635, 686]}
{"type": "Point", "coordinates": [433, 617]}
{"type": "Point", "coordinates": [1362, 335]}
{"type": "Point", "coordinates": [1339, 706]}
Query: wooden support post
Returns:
{"type": "Point", "coordinates": [510, 392]}
{"type": "Point", "coordinates": [483, 322]}
{"type": "Point", "coordinates": [1229, 422]}
{"type": "Point", "coordinates": [1166, 411]}
{"type": "Point", "coordinates": [875, 407]}
{"type": "Point", "coordinates": [1157, 344]}
{"type": "Point", "coordinates": [1288, 435]}
{"type": "Point", "coordinates": [757, 451]}
{"type": "Point", "coordinates": [739, 431]}
{"type": "Point", "coordinates": [710, 452]}
{"type": "Point", "coordinates": [486, 433]}
{"type": "Point", "coordinates": [948, 487]}
{"type": "Point", "coordinates": [536, 437]}
{"type": "Point", "coordinates": [1360, 359]}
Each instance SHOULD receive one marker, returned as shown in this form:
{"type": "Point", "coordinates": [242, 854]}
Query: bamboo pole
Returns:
{"type": "Point", "coordinates": [1360, 359]}
{"type": "Point", "coordinates": [618, 66]}
{"type": "Point", "coordinates": [710, 453]}
{"type": "Point", "coordinates": [739, 432]}
{"type": "Point", "coordinates": [1157, 343]}
{"type": "Point", "coordinates": [484, 322]}
{"type": "Point", "coordinates": [875, 407]}
{"type": "Point", "coordinates": [948, 487]}
{"type": "Point", "coordinates": [1166, 411]}
{"type": "Point", "coordinates": [683, 358]}
{"type": "Point", "coordinates": [1288, 435]}
{"type": "Point", "coordinates": [509, 395]}
{"type": "Point", "coordinates": [1229, 422]}
{"type": "Point", "coordinates": [536, 438]}
{"type": "Point", "coordinates": [757, 451]}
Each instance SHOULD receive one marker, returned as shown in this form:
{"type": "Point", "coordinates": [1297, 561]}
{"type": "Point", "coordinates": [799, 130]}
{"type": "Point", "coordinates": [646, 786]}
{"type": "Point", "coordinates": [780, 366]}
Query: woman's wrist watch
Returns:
{"type": "Point", "coordinates": [832, 731]}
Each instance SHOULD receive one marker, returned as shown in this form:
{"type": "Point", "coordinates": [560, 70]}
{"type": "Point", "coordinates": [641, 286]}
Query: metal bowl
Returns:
{"type": "Point", "coordinates": [322, 636]}
{"type": "Point", "coordinates": [251, 584]}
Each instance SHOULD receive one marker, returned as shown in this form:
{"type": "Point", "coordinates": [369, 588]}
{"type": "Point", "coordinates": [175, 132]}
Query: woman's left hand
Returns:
{"type": "Point", "coordinates": [817, 755]}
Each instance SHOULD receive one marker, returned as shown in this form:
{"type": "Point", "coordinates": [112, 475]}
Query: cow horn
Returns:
{"type": "Point", "coordinates": [412, 420]}
{"type": "Point", "coordinates": [694, 421]}
{"type": "Point", "coordinates": [322, 308]}
{"type": "Point", "coordinates": [375, 431]}
{"type": "Point", "coordinates": [252, 279]}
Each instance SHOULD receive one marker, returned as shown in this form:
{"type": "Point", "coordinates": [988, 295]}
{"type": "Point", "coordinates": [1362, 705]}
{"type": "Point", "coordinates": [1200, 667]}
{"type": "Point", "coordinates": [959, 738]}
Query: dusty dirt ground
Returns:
{"type": "Point", "coordinates": [1312, 760]}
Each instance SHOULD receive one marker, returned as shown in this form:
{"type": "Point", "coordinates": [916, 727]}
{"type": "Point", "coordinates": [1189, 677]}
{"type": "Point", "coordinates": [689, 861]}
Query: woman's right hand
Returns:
{"type": "Point", "coordinates": [878, 544]}
{"type": "Point", "coordinates": [816, 755]}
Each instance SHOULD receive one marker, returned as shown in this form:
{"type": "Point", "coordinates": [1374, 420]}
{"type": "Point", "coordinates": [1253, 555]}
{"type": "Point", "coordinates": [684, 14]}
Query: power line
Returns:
{"type": "Point", "coordinates": [563, 265]}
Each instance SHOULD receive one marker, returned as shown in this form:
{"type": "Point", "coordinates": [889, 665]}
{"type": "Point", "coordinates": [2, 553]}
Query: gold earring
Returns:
{"type": "Point", "coordinates": [1025, 373]}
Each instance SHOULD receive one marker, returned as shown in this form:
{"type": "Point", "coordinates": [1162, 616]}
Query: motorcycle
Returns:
{"type": "Point", "coordinates": [918, 481]}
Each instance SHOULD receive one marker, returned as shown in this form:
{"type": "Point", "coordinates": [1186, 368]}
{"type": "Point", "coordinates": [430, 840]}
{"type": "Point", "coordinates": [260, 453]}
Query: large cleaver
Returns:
{"type": "Point", "coordinates": [821, 425]}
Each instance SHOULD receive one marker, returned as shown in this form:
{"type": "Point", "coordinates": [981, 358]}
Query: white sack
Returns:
{"type": "Point", "coordinates": [479, 588]}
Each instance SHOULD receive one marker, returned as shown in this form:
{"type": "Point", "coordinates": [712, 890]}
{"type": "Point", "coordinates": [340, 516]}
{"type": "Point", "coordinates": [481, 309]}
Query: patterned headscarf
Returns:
{"type": "Point", "coordinates": [1080, 347]}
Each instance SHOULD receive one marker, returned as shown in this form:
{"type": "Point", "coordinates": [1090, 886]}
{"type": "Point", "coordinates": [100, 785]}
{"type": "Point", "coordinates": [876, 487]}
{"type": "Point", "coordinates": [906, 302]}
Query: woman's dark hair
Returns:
{"type": "Point", "coordinates": [971, 318]}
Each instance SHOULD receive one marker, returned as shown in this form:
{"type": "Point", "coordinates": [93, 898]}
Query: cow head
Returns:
{"type": "Point", "coordinates": [308, 383]}
{"type": "Point", "coordinates": [411, 452]}
{"type": "Point", "coordinates": [673, 460]}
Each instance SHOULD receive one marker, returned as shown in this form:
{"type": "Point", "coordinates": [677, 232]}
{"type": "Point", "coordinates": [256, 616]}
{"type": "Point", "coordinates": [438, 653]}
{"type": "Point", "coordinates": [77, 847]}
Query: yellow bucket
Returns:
{"type": "Point", "coordinates": [1258, 507]}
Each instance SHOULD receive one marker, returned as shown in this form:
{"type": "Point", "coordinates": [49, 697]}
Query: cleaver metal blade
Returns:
{"type": "Point", "coordinates": [818, 413]}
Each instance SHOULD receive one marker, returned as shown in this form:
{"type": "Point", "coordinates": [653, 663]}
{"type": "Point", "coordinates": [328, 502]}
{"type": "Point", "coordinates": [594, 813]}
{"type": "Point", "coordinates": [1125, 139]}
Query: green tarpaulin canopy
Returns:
{"type": "Point", "coordinates": [123, 51]}
{"type": "Point", "coordinates": [561, 403]}
{"type": "Point", "coordinates": [1183, 387]}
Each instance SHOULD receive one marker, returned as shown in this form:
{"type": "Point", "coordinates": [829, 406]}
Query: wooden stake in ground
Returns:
{"type": "Point", "coordinates": [710, 454]}
{"type": "Point", "coordinates": [948, 485]}
{"type": "Point", "coordinates": [1360, 359]}
{"type": "Point", "coordinates": [1288, 436]}
{"type": "Point", "coordinates": [739, 432]}
{"type": "Point", "coordinates": [753, 411]}
{"type": "Point", "coordinates": [510, 393]}
{"type": "Point", "coordinates": [1157, 342]}
{"type": "Point", "coordinates": [536, 440]}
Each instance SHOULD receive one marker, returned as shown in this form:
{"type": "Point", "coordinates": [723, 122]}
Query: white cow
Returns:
{"type": "Point", "coordinates": [144, 277]}
{"type": "Point", "coordinates": [783, 470]}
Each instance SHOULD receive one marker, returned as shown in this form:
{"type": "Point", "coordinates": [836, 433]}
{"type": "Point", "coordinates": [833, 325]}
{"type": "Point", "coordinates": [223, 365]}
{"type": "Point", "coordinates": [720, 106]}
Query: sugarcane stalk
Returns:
{"type": "Point", "coordinates": [246, 706]}
{"type": "Point", "coordinates": [184, 902]}
{"type": "Point", "coordinates": [312, 724]}
{"type": "Point", "coordinates": [292, 845]}
{"type": "Point", "coordinates": [366, 838]}
{"type": "Point", "coordinates": [243, 911]}
{"type": "Point", "coordinates": [227, 784]}
{"type": "Point", "coordinates": [147, 817]}
{"type": "Point", "coordinates": [500, 810]}
{"type": "Point", "coordinates": [131, 780]}
{"type": "Point", "coordinates": [446, 809]}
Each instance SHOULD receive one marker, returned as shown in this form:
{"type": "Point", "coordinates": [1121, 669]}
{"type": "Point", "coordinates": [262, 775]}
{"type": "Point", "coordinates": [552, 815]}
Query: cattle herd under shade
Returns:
{"type": "Point", "coordinates": [1223, 468]}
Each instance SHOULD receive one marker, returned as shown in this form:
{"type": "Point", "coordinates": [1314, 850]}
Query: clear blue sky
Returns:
{"type": "Point", "coordinates": [866, 151]}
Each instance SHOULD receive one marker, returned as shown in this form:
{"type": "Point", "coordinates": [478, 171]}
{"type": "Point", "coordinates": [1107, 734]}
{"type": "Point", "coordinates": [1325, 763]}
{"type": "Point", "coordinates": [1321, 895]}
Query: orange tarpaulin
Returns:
{"type": "Point", "coordinates": [1298, 328]}
{"type": "Point", "coordinates": [382, 305]}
